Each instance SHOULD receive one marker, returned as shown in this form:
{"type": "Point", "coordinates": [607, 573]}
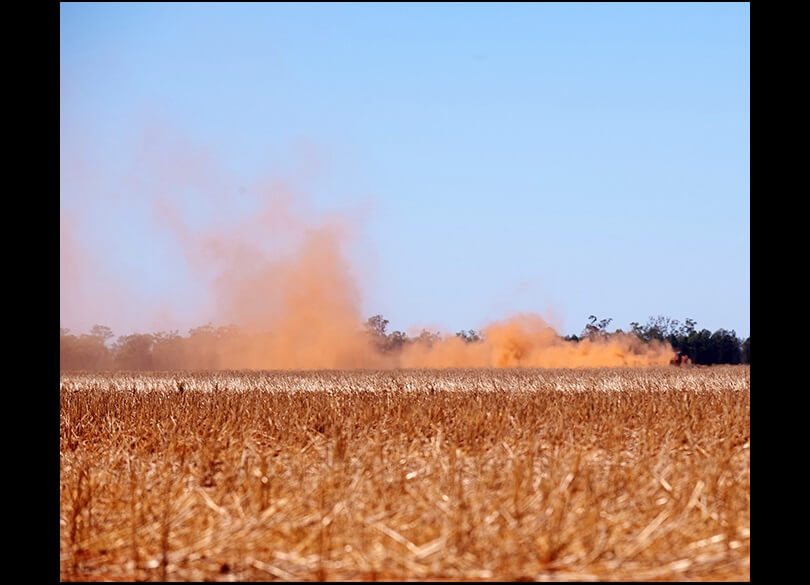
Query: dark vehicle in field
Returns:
{"type": "Point", "coordinates": [680, 359]}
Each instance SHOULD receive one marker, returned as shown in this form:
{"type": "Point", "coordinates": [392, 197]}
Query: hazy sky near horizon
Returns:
{"type": "Point", "coordinates": [566, 159]}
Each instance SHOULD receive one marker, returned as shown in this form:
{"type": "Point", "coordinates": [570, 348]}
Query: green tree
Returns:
{"type": "Point", "coordinates": [134, 352]}
{"type": "Point", "coordinates": [168, 351]}
{"type": "Point", "coordinates": [102, 332]}
{"type": "Point", "coordinates": [376, 328]}
{"type": "Point", "coordinates": [470, 336]}
{"type": "Point", "coordinates": [376, 325]}
{"type": "Point", "coordinates": [687, 328]}
{"type": "Point", "coordinates": [67, 350]}
{"type": "Point", "coordinates": [595, 328]}
{"type": "Point", "coordinates": [659, 328]}
{"type": "Point", "coordinates": [396, 341]}
{"type": "Point", "coordinates": [725, 347]}
{"type": "Point", "coordinates": [700, 348]}
{"type": "Point", "coordinates": [202, 347]}
{"type": "Point", "coordinates": [427, 337]}
{"type": "Point", "coordinates": [85, 352]}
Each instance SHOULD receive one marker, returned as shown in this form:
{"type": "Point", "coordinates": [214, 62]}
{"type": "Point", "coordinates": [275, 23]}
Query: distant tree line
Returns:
{"type": "Point", "coordinates": [198, 350]}
{"type": "Point", "coordinates": [703, 347]}
{"type": "Point", "coordinates": [392, 342]}
{"type": "Point", "coordinates": [142, 351]}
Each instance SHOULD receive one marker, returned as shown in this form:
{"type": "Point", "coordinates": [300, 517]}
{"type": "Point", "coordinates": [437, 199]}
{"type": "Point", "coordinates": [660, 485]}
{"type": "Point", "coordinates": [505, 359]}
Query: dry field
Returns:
{"type": "Point", "coordinates": [598, 474]}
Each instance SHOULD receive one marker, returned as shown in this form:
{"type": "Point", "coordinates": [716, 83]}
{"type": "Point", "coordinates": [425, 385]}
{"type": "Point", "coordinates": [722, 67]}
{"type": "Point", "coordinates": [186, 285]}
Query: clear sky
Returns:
{"type": "Point", "coordinates": [566, 159]}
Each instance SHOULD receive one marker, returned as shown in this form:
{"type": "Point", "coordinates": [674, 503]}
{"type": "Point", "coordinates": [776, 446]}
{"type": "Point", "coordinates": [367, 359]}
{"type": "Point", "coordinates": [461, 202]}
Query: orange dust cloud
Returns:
{"type": "Point", "coordinates": [301, 310]}
{"type": "Point", "coordinates": [525, 340]}
{"type": "Point", "coordinates": [281, 275]}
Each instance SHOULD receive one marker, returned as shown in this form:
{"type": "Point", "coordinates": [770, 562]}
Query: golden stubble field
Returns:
{"type": "Point", "coordinates": [516, 474]}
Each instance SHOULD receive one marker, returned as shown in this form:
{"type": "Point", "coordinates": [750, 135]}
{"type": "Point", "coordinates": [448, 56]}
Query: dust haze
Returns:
{"type": "Point", "coordinates": [282, 276]}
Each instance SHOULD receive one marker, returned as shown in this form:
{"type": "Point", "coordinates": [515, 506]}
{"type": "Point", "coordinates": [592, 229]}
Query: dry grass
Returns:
{"type": "Point", "coordinates": [604, 474]}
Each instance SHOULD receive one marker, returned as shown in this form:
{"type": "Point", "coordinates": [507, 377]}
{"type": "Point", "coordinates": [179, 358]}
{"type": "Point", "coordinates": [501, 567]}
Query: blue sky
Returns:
{"type": "Point", "coordinates": [567, 159]}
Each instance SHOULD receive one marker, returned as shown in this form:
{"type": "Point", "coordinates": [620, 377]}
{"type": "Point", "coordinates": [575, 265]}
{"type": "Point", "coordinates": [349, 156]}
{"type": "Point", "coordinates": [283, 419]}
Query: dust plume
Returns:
{"type": "Point", "coordinates": [280, 275]}
{"type": "Point", "coordinates": [301, 310]}
{"type": "Point", "coordinates": [526, 340]}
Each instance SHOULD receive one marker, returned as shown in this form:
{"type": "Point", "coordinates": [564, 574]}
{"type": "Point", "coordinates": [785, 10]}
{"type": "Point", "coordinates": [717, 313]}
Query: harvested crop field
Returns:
{"type": "Point", "coordinates": [477, 474]}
